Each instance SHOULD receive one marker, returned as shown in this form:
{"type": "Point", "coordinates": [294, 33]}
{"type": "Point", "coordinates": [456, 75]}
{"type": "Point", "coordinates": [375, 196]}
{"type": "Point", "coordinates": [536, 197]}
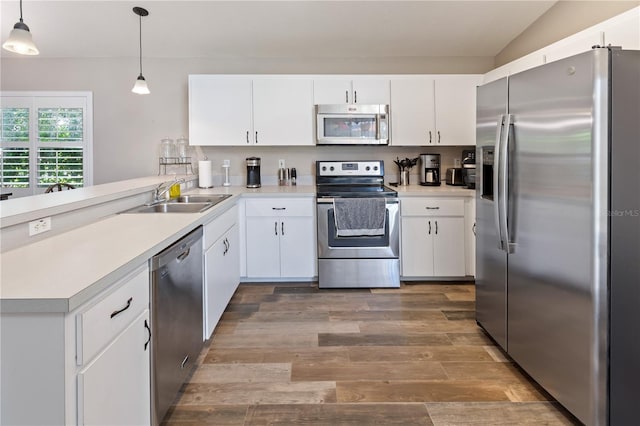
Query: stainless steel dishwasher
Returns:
{"type": "Point", "coordinates": [176, 319]}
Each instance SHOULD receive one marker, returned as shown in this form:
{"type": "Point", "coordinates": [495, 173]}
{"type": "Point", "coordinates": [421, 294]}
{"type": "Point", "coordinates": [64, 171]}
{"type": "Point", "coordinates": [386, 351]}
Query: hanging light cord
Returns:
{"type": "Point", "coordinates": [21, 11]}
{"type": "Point", "coordinates": [140, 26]}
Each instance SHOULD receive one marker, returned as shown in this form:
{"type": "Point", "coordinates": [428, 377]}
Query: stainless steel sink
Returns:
{"type": "Point", "coordinates": [182, 204]}
{"type": "Point", "coordinates": [215, 198]}
{"type": "Point", "coordinates": [172, 208]}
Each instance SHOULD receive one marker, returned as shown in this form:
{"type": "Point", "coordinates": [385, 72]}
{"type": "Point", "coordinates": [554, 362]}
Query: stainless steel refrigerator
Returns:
{"type": "Point", "coordinates": [558, 228]}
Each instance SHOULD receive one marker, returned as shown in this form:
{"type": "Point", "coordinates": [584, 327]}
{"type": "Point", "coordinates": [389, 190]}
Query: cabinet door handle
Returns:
{"type": "Point", "coordinates": [276, 227]}
{"type": "Point", "coordinates": [432, 208]}
{"type": "Point", "coordinates": [355, 97]}
{"type": "Point", "coordinates": [256, 137]}
{"type": "Point", "coordinates": [119, 311]}
{"type": "Point", "coordinates": [346, 96]}
{"type": "Point", "coordinates": [146, 325]}
{"type": "Point", "coordinates": [429, 137]}
{"type": "Point", "coordinates": [282, 227]}
{"type": "Point", "coordinates": [278, 208]}
{"type": "Point", "coordinates": [474, 229]}
{"type": "Point", "coordinates": [247, 136]}
{"type": "Point", "coordinates": [429, 227]}
{"type": "Point", "coordinates": [436, 227]}
{"type": "Point", "coordinates": [438, 136]}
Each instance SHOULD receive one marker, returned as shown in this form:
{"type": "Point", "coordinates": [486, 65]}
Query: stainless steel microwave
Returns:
{"type": "Point", "coordinates": [351, 124]}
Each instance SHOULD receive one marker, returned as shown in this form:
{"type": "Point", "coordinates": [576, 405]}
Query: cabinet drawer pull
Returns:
{"type": "Point", "coordinates": [146, 325]}
{"type": "Point", "coordinates": [278, 208]}
{"type": "Point", "coordinates": [114, 313]}
{"type": "Point", "coordinates": [432, 208]}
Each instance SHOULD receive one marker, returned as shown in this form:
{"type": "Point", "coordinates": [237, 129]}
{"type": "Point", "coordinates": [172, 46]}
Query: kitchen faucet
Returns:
{"type": "Point", "coordinates": [163, 188]}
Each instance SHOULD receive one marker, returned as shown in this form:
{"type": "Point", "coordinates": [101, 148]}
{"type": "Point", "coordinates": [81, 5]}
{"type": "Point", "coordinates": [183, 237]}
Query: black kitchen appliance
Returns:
{"type": "Point", "coordinates": [430, 169]}
{"type": "Point", "coordinates": [253, 172]}
{"type": "Point", "coordinates": [469, 168]}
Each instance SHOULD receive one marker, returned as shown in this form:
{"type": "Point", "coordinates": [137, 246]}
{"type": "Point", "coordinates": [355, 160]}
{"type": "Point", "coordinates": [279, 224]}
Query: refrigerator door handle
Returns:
{"type": "Point", "coordinates": [496, 181]}
{"type": "Point", "coordinates": [508, 246]}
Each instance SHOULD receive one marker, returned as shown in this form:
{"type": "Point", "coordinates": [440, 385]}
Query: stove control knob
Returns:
{"type": "Point", "coordinates": [375, 168]}
{"type": "Point", "coordinates": [324, 168]}
{"type": "Point", "coordinates": [331, 168]}
{"type": "Point", "coordinates": [367, 168]}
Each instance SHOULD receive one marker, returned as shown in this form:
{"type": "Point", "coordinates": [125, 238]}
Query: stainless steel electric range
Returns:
{"type": "Point", "coordinates": [358, 226]}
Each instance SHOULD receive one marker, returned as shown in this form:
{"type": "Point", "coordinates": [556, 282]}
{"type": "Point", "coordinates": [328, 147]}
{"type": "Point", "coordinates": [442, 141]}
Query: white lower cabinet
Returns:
{"type": "Point", "coordinates": [221, 267]}
{"type": "Point", "coordinates": [433, 237]}
{"type": "Point", "coordinates": [281, 238]}
{"type": "Point", "coordinates": [114, 389]}
{"type": "Point", "coordinates": [88, 366]}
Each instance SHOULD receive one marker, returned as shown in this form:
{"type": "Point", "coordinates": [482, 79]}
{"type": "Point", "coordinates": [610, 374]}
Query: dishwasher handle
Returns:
{"type": "Point", "coordinates": [178, 250]}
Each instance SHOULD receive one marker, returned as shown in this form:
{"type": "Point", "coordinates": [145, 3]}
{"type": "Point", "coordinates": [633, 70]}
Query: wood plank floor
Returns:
{"type": "Point", "coordinates": [291, 354]}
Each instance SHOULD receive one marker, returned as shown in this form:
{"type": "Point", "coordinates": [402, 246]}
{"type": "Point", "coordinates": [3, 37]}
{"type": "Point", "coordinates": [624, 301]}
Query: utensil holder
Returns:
{"type": "Point", "coordinates": [404, 177]}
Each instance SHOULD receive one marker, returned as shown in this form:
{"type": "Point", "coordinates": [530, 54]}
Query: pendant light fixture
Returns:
{"type": "Point", "coordinates": [140, 87]}
{"type": "Point", "coordinates": [20, 40]}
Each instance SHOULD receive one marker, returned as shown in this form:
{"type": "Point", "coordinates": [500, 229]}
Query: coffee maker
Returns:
{"type": "Point", "coordinates": [430, 169]}
{"type": "Point", "coordinates": [253, 172]}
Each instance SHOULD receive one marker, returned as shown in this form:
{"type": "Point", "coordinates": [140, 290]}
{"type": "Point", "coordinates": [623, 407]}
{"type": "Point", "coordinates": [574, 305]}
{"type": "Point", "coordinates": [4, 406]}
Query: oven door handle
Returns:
{"type": "Point", "coordinates": [330, 200]}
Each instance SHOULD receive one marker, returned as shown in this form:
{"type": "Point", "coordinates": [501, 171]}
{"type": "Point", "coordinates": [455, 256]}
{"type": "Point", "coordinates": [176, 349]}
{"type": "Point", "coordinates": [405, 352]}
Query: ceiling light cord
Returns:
{"type": "Point", "coordinates": [140, 26]}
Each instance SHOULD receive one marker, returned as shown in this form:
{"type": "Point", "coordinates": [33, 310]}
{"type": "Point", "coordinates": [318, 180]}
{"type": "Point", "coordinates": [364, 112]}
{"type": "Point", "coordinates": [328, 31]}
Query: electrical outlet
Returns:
{"type": "Point", "coordinates": [226, 162]}
{"type": "Point", "coordinates": [39, 226]}
{"type": "Point", "coordinates": [281, 164]}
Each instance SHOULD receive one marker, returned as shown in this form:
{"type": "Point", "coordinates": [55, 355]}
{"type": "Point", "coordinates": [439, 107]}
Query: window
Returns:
{"type": "Point", "coordinates": [45, 137]}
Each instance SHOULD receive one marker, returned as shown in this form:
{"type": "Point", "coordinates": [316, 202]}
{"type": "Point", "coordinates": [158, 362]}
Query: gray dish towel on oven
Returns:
{"type": "Point", "coordinates": [359, 216]}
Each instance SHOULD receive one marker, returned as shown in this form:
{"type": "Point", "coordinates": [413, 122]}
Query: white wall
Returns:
{"type": "Point", "coordinates": [128, 127]}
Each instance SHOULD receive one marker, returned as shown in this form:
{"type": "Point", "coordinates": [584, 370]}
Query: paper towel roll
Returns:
{"type": "Point", "coordinates": [205, 178]}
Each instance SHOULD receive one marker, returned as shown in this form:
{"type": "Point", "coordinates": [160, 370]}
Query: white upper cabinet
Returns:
{"type": "Point", "coordinates": [455, 98]}
{"type": "Point", "coordinates": [243, 110]}
{"type": "Point", "coordinates": [283, 111]}
{"type": "Point", "coordinates": [365, 91]}
{"type": "Point", "coordinates": [219, 110]}
{"type": "Point", "coordinates": [412, 111]}
{"type": "Point", "coordinates": [434, 110]}
{"type": "Point", "coordinates": [579, 43]}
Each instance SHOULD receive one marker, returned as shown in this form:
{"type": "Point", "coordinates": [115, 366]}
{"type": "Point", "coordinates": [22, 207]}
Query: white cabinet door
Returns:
{"type": "Point", "coordinates": [220, 110]}
{"type": "Point", "coordinates": [222, 275]}
{"type": "Point", "coordinates": [455, 106]}
{"type": "Point", "coordinates": [372, 91]}
{"type": "Point", "coordinates": [332, 91]}
{"type": "Point", "coordinates": [470, 235]}
{"type": "Point", "coordinates": [448, 247]}
{"type": "Point", "coordinates": [283, 111]}
{"type": "Point", "coordinates": [417, 246]}
{"type": "Point", "coordinates": [297, 247]}
{"type": "Point", "coordinates": [114, 389]}
{"type": "Point", "coordinates": [351, 91]}
{"type": "Point", "coordinates": [412, 112]}
{"type": "Point", "coordinates": [263, 247]}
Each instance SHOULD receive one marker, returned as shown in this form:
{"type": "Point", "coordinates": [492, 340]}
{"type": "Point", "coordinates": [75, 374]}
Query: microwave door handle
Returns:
{"type": "Point", "coordinates": [496, 180]}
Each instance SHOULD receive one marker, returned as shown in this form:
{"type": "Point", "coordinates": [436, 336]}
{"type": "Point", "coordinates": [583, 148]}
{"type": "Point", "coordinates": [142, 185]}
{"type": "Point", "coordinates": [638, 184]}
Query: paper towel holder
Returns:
{"type": "Point", "coordinates": [205, 178]}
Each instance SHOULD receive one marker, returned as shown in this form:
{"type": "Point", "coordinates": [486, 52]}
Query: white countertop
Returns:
{"type": "Point", "coordinates": [60, 273]}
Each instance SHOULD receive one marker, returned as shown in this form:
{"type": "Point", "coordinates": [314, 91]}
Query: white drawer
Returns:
{"type": "Point", "coordinates": [280, 207]}
{"type": "Point", "coordinates": [218, 226]}
{"type": "Point", "coordinates": [431, 206]}
{"type": "Point", "coordinates": [99, 324]}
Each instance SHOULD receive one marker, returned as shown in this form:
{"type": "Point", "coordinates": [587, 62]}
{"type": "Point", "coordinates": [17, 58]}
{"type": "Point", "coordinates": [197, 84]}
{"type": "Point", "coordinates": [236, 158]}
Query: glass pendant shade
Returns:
{"type": "Point", "coordinates": [20, 40]}
{"type": "Point", "coordinates": [141, 87]}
